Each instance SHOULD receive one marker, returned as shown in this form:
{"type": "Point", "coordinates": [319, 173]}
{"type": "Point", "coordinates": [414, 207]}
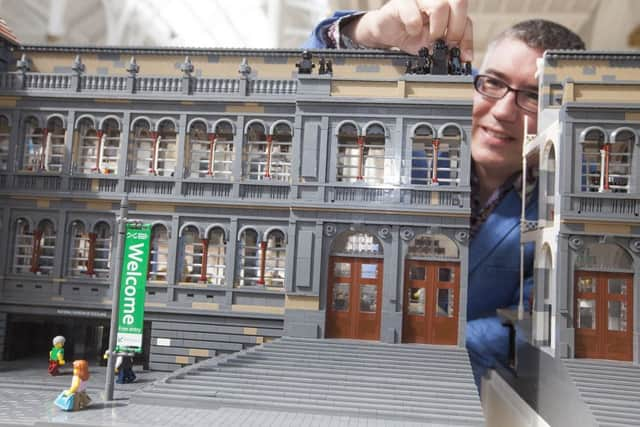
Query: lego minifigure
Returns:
{"type": "Point", "coordinates": [56, 355]}
{"type": "Point", "coordinates": [124, 368]}
{"type": "Point", "coordinates": [323, 66]}
{"type": "Point", "coordinates": [440, 58]}
{"type": "Point", "coordinates": [306, 65]}
{"type": "Point", "coordinates": [79, 385]}
{"type": "Point", "coordinates": [424, 62]}
{"type": "Point", "coordinates": [455, 65]}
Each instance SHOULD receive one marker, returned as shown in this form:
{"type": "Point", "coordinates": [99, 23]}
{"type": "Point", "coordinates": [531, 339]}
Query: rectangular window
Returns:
{"type": "Point", "coordinates": [341, 296]}
{"type": "Point", "coordinates": [586, 313]}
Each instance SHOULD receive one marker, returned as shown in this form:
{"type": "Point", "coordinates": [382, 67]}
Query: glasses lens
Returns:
{"type": "Point", "coordinates": [490, 86]}
{"type": "Point", "coordinates": [528, 101]}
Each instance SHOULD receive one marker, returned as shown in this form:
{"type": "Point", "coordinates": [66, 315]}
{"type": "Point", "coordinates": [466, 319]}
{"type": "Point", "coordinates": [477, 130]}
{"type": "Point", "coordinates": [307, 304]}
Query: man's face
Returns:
{"type": "Point", "coordinates": [498, 124]}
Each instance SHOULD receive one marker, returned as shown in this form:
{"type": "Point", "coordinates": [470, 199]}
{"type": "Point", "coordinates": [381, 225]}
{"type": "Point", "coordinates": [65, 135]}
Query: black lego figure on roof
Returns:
{"type": "Point", "coordinates": [306, 65]}
{"type": "Point", "coordinates": [440, 58]}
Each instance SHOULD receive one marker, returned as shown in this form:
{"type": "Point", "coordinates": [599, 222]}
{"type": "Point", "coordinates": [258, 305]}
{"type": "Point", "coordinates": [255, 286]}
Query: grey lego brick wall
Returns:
{"type": "Point", "coordinates": [178, 343]}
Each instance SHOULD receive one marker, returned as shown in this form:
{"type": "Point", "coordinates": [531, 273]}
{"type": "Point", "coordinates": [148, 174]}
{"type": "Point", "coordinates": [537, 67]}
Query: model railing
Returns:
{"type": "Point", "coordinates": [158, 84]}
{"type": "Point", "coordinates": [206, 85]}
{"type": "Point", "coordinates": [607, 204]}
{"type": "Point", "coordinates": [206, 189]}
{"type": "Point", "coordinates": [92, 185]}
{"type": "Point", "coordinates": [170, 188]}
{"type": "Point", "coordinates": [107, 83]}
{"type": "Point", "coordinates": [272, 87]}
{"type": "Point", "coordinates": [186, 85]}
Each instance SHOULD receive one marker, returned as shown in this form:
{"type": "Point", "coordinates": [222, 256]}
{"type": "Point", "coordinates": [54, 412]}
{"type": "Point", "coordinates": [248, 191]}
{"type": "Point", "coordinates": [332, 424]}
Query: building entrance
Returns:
{"type": "Point", "coordinates": [354, 299]}
{"type": "Point", "coordinates": [431, 299]}
{"type": "Point", "coordinates": [604, 315]}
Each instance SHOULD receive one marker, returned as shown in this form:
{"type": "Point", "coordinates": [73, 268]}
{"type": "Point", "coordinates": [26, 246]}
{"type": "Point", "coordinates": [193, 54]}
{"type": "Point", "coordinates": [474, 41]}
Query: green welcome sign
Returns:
{"type": "Point", "coordinates": [132, 287]}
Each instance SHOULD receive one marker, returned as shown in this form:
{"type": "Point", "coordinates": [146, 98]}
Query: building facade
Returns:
{"type": "Point", "coordinates": [309, 205]}
{"type": "Point", "coordinates": [588, 236]}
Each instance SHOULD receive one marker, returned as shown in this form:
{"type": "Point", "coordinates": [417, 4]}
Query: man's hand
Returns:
{"type": "Point", "coordinates": [412, 24]}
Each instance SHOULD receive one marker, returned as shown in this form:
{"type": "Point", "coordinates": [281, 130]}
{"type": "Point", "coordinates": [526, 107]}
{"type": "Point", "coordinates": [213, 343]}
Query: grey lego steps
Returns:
{"type": "Point", "coordinates": [382, 356]}
{"type": "Point", "coordinates": [449, 417]}
{"type": "Point", "coordinates": [257, 374]}
{"type": "Point", "coordinates": [610, 389]}
{"type": "Point", "coordinates": [277, 375]}
{"type": "Point", "coordinates": [442, 400]}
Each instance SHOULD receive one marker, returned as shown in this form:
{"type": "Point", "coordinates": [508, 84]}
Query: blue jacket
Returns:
{"type": "Point", "coordinates": [494, 265]}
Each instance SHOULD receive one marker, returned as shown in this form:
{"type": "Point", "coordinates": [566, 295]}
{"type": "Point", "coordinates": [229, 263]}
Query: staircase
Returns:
{"type": "Point", "coordinates": [358, 378]}
{"type": "Point", "coordinates": [610, 389]}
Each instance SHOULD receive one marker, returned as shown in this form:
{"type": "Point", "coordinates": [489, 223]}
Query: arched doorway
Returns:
{"type": "Point", "coordinates": [431, 291]}
{"type": "Point", "coordinates": [604, 303]}
{"type": "Point", "coordinates": [355, 287]}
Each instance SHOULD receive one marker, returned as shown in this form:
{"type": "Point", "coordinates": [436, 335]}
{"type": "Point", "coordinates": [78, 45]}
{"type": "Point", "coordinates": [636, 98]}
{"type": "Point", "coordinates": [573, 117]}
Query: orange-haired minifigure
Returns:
{"type": "Point", "coordinates": [79, 384]}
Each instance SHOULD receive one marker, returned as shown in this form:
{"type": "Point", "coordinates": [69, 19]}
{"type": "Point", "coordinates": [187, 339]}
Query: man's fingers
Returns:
{"type": "Point", "coordinates": [457, 21]}
{"type": "Point", "coordinates": [466, 44]}
{"type": "Point", "coordinates": [438, 20]}
{"type": "Point", "coordinates": [411, 17]}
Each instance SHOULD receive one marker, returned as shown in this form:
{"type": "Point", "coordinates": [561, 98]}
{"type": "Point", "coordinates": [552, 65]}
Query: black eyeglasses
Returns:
{"type": "Point", "coordinates": [494, 88]}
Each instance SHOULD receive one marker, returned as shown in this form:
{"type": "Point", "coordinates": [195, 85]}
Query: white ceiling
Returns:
{"type": "Point", "coordinates": [193, 23]}
{"type": "Point", "coordinates": [604, 24]}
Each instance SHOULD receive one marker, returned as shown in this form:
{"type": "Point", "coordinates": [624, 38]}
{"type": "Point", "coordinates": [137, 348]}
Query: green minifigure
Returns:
{"type": "Point", "coordinates": [56, 355]}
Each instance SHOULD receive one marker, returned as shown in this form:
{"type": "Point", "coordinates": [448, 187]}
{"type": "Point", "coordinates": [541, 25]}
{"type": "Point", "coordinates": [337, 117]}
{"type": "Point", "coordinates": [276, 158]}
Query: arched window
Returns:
{"type": "Point", "coordinates": [216, 262]}
{"type": "Point", "coordinates": [198, 150]}
{"type": "Point", "coordinates": [32, 145]}
{"type": "Point", "coordinates": [279, 153]}
{"type": "Point", "coordinates": [101, 250]}
{"type": "Point", "coordinates": [620, 161]}
{"type": "Point", "coordinates": [356, 243]}
{"type": "Point", "coordinates": [433, 246]}
{"type": "Point", "coordinates": [79, 250]}
{"type": "Point", "coordinates": [604, 257]}
{"type": "Point", "coordinates": [53, 150]}
{"type": "Point", "coordinates": [158, 253]}
{"type": "Point", "coordinates": [5, 134]}
{"type": "Point", "coordinates": [447, 153]}
{"type": "Point", "coordinates": [348, 154]}
{"type": "Point", "coordinates": [593, 155]}
{"type": "Point", "coordinates": [274, 260]}
{"type": "Point", "coordinates": [23, 247]}
{"type": "Point", "coordinates": [164, 155]}
{"type": "Point", "coordinates": [141, 148]}
{"type": "Point", "coordinates": [249, 258]}
{"type": "Point", "coordinates": [192, 251]}
{"type": "Point", "coordinates": [422, 155]}
{"type": "Point", "coordinates": [88, 147]}
{"type": "Point", "coordinates": [550, 188]}
{"type": "Point", "coordinates": [223, 152]}
{"type": "Point", "coordinates": [255, 152]}
{"type": "Point", "coordinates": [43, 248]}
{"type": "Point", "coordinates": [372, 155]}
{"type": "Point", "coordinates": [109, 152]}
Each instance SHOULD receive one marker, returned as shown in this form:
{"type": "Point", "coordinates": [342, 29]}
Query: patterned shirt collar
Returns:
{"type": "Point", "coordinates": [480, 213]}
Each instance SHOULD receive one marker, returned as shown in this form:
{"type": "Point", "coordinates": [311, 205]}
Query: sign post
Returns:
{"type": "Point", "coordinates": [127, 307]}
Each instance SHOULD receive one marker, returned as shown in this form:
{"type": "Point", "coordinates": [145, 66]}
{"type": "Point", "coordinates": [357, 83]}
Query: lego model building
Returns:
{"type": "Point", "coordinates": [284, 199]}
{"type": "Point", "coordinates": [582, 364]}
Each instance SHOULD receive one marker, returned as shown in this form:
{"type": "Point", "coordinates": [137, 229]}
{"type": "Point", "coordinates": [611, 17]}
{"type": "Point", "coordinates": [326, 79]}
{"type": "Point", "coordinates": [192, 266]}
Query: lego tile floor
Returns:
{"type": "Point", "coordinates": [27, 394]}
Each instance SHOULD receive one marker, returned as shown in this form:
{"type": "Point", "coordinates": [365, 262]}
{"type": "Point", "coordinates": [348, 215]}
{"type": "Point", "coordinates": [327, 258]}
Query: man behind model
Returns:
{"type": "Point", "coordinates": [506, 91]}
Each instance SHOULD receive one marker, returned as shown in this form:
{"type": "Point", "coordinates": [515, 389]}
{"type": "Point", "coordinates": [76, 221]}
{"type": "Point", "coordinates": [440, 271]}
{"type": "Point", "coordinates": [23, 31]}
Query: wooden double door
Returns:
{"type": "Point", "coordinates": [603, 315]}
{"type": "Point", "coordinates": [431, 302]}
{"type": "Point", "coordinates": [354, 299]}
